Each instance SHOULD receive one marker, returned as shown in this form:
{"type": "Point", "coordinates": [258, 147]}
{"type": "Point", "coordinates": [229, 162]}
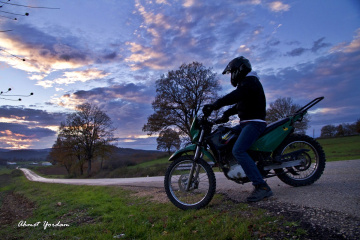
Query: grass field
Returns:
{"type": "Point", "coordinates": [97, 212]}
{"type": "Point", "coordinates": [342, 148]}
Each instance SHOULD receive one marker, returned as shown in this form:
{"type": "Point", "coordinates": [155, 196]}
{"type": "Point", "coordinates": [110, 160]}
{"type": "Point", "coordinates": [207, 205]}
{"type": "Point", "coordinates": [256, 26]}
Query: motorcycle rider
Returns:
{"type": "Point", "coordinates": [249, 102]}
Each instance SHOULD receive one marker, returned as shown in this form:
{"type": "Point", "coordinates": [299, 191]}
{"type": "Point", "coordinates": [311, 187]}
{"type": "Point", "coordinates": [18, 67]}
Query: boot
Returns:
{"type": "Point", "coordinates": [260, 192]}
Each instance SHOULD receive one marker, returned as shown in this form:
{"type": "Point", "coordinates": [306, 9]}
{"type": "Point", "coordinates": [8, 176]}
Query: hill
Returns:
{"type": "Point", "coordinates": [24, 155]}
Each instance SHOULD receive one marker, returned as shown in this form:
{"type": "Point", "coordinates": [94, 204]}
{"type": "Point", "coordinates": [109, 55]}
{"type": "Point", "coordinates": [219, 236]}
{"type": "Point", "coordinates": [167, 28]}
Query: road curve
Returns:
{"type": "Point", "coordinates": [145, 181]}
{"type": "Point", "coordinates": [338, 189]}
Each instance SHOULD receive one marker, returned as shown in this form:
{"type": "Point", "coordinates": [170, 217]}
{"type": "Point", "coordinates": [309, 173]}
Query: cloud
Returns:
{"type": "Point", "coordinates": [128, 105]}
{"type": "Point", "coordinates": [144, 57]}
{"type": "Point", "coordinates": [39, 117]}
{"type": "Point", "coordinates": [18, 136]}
{"type": "Point", "coordinates": [147, 143]}
{"type": "Point", "coordinates": [183, 32]}
{"type": "Point", "coordinates": [43, 53]}
{"type": "Point", "coordinates": [317, 45]}
{"type": "Point", "coordinates": [278, 6]}
{"type": "Point", "coordinates": [351, 47]}
{"type": "Point", "coordinates": [118, 93]}
{"type": "Point", "coordinates": [73, 77]}
{"type": "Point", "coordinates": [296, 52]}
{"type": "Point", "coordinates": [24, 127]}
{"type": "Point", "coordinates": [46, 53]}
{"type": "Point", "coordinates": [334, 76]}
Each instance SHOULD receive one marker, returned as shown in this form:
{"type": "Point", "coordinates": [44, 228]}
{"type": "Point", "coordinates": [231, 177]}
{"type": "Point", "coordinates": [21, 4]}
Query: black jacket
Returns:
{"type": "Point", "coordinates": [249, 100]}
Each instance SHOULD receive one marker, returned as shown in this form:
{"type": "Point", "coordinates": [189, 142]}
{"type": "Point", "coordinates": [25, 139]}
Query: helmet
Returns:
{"type": "Point", "coordinates": [238, 67]}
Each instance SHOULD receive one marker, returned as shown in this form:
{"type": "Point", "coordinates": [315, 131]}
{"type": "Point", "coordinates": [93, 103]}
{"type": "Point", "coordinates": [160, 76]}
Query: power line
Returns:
{"type": "Point", "coordinates": [19, 95]}
{"type": "Point", "coordinates": [6, 91]}
{"type": "Point", "coordinates": [23, 59]}
{"type": "Point", "coordinates": [25, 5]}
{"type": "Point", "coordinates": [8, 17]}
{"type": "Point", "coordinates": [18, 14]}
{"type": "Point", "coordinates": [9, 99]}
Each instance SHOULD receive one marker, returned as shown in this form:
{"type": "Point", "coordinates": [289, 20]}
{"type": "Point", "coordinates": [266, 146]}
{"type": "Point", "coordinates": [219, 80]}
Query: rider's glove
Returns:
{"type": "Point", "coordinates": [207, 110]}
{"type": "Point", "coordinates": [223, 119]}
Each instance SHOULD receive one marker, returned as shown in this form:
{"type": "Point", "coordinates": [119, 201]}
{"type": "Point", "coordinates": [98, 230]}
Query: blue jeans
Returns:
{"type": "Point", "coordinates": [249, 133]}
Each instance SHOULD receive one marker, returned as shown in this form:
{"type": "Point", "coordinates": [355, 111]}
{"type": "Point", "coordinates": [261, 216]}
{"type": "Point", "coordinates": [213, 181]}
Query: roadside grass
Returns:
{"type": "Point", "coordinates": [341, 148]}
{"type": "Point", "coordinates": [164, 160]}
{"type": "Point", "coordinates": [5, 170]}
{"type": "Point", "coordinates": [98, 212]}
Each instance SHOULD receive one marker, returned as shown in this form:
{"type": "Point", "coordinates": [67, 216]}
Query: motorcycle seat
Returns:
{"type": "Point", "coordinates": [274, 125]}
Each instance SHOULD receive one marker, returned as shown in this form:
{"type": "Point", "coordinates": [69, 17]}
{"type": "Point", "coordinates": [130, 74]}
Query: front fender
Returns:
{"type": "Point", "coordinates": [191, 148]}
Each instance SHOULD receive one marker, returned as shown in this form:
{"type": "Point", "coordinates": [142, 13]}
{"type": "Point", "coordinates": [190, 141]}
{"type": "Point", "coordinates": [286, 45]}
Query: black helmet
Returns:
{"type": "Point", "coordinates": [238, 67]}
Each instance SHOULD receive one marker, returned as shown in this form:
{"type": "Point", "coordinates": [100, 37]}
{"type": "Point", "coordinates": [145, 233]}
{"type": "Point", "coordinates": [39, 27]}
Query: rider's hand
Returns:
{"type": "Point", "coordinates": [208, 108]}
{"type": "Point", "coordinates": [223, 119]}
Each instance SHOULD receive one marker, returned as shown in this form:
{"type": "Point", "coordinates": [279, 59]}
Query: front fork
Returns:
{"type": "Point", "coordinates": [195, 168]}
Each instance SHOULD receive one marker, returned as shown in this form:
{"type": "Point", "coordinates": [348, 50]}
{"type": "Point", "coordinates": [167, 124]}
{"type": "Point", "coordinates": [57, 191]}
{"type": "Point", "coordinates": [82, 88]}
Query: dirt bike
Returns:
{"type": "Point", "coordinates": [297, 160]}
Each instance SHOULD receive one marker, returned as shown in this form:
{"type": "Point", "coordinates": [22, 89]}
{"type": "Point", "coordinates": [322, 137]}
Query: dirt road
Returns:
{"type": "Point", "coordinates": [338, 189]}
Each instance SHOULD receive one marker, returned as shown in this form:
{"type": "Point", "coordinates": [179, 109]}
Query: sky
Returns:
{"type": "Point", "coordinates": [111, 52]}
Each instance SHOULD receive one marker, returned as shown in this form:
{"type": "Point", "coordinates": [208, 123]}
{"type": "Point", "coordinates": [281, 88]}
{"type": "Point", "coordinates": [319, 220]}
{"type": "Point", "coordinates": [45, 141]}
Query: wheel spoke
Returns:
{"type": "Point", "coordinates": [194, 194]}
{"type": "Point", "coordinates": [309, 160]}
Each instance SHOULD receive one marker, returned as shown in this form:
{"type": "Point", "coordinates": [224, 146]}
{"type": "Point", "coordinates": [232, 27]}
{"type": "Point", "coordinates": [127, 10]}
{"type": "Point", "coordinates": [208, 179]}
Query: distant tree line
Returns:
{"type": "Point", "coordinates": [344, 129]}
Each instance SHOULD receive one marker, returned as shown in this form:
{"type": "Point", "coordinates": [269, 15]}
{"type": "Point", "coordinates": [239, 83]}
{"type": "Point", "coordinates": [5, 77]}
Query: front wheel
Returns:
{"type": "Point", "coordinates": [189, 184]}
{"type": "Point", "coordinates": [312, 157]}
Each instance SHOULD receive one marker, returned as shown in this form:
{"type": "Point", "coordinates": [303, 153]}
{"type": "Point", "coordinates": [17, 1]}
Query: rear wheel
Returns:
{"type": "Point", "coordinates": [312, 160]}
{"type": "Point", "coordinates": [190, 185]}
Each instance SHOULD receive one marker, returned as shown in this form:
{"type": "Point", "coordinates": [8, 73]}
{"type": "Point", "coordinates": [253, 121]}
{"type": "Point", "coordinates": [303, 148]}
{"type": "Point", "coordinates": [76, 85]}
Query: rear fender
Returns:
{"type": "Point", "coordinates": [191, 148]}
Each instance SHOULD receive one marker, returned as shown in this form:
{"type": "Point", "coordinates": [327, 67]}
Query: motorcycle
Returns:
{"type": "Point", "coordinates": [296, 159]}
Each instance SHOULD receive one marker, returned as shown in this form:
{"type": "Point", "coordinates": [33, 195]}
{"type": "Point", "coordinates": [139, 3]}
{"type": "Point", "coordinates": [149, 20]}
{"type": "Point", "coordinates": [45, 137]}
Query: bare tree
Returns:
{"type": "Point", "coordinates": [60, 154]}
{"type": "Point", "coordinates": [168, 140]}
{"type": "Point", "coordinates": [180, 96]}
{"type": "Point", "coordinates": [90, 130]}
{"type": "Point", "coordinates": [283, 107]}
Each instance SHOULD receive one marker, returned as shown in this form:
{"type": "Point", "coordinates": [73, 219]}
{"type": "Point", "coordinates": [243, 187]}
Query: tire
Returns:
{"type": "Point", "coordinates": [311, 169]}
{"type": "Point", "coordinates": [202, 188]}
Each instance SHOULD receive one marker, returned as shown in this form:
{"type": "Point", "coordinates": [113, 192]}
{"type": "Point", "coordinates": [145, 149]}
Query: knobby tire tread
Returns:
{"type": "Point", "coordinates": [318, 172]}
{"type": "Point", "coordinates": [212, 184]}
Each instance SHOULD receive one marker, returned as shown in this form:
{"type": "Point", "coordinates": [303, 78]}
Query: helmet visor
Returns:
{"type": "Point", "coordinates": [227, 70]}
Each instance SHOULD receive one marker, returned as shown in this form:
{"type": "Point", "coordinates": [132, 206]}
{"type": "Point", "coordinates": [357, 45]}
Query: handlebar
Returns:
{"type": "Point", "coordinates": [206, 121]}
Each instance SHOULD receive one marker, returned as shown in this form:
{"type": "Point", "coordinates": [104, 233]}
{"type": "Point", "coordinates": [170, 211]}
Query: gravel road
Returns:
{"type": "Point", "coordinates": [330, 206]}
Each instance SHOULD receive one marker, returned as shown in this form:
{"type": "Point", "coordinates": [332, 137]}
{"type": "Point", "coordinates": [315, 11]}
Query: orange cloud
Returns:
{"type": "Point", "coordinates": [16, 141]}
{"type": "Point", "coordinates": [351, 47]}
{"type": "Point", "coordinates": [39, 61]}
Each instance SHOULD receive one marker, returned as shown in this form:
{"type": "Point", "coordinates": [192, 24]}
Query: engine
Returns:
{"type": "Point", "coordinates": [235, 170]}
